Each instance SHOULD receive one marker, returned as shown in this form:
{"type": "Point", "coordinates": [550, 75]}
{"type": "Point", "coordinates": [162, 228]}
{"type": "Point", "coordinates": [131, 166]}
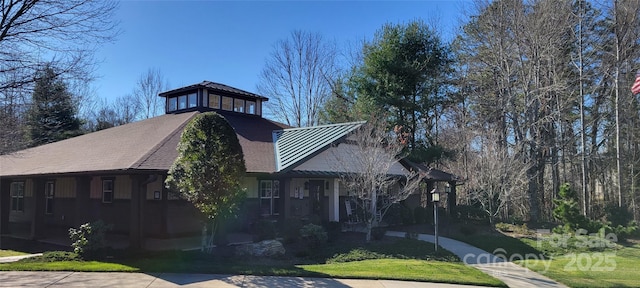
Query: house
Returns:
{"type": "Point", "coordinates": [118, 174]}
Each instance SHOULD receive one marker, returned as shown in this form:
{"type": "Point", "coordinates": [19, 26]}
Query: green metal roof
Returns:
{"type": "Point", "coordinates": [295, 144]}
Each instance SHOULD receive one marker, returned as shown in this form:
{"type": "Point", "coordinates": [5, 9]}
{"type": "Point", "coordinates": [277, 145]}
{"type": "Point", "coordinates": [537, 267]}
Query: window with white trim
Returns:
{"type": "Point", "coordinates": [17, 196]}
{"type": "Point", "coordinates": [107, 190]}
{"type": "Point", "coordinates": [269, 197]}
{"type": "Point", "coordinates": [49, 194]}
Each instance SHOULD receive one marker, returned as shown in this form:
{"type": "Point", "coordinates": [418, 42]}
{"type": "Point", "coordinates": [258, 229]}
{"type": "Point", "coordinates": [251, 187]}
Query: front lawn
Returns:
{"type": "Point", "coordinates": [7, 253]}
{"type": "Point", "coordinates": [347, 257]}
{"type": "Point", "coordinates": [612, 268]}
{"type": "Point", "coordinates": [586, 261]}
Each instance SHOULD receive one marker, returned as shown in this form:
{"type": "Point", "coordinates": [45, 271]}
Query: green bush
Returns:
{"type": "Point", "coordinates": [357, 254]}
{"type": "Point", "coordinates": [618, 216]}
{"type": "Point", "coordinates": [470, 213]}
{"type": "Point", "coordinates": [314, 235]}
{"type": "Point", "coordinates": [504, 227]}
{"type": "Point", "coordinates": [53, 256]}
{"type": "Point", "coordinates": [290, 230]}
{"type": "Point", "coordinates": [266, 230]}
{"type": "Point", "coordinates": [334, 229]}
{"type": "Point", "coordinates": [89, 240]}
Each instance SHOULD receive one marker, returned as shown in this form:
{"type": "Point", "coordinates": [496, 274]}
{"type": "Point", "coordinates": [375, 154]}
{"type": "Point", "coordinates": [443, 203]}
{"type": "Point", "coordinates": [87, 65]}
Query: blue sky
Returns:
{"type": "Point", "coordinates": [229, 41]}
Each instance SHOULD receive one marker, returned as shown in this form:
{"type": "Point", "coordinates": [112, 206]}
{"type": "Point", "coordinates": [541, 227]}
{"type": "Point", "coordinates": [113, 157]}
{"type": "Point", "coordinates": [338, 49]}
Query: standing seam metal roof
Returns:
{"type": "Point", "coordinates": [295, 144]}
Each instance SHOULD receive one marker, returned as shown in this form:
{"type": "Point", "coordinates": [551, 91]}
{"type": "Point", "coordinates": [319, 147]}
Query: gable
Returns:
{"type": "Point", "coordinates": [340, 159]}
{"type": "Point", "coordinates": [293, 146]}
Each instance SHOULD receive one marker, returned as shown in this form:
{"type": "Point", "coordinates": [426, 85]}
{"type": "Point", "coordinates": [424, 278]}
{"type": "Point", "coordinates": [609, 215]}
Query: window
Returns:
{"type": "Point", "coordinates": [49, 193]}
{"type": "Point", "coordinates": [173, 104]}
{"type": "Point", "coordinates": [182, 102]}
{"type": "Point", "coordinates": [270, 197]}
{"type": "Point", "coordinates": [227, 103]}
{"type": "Point", "coordinates": [214, 101]}
{"type": "Point", "coordinates": [251, 107]}
{"type": "Point", "coordinates": [238, 105]}
{"type": "Point", "coordinates": [193, 100]}
{"type": "Point", "coordinates": [107, 190]}
{"type": "Point", "coordinates": [17, 196]}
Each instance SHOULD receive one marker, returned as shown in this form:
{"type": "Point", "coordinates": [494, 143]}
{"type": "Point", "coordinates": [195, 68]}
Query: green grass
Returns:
{"type": "Point", "coordinates": [410, 269]}
{"type": "Point", "coordinates": [499, 244]}
{"type": "Point", "coordinates": [602, 264]}
{"type": "Point", "coordinates": [594, 270]}
{"type": "Point", "coordinates": [392, 258]}
{"type": "Point", "coordinates": [80, 266]}
{"type": "Point", "coordinates": [7, 253]}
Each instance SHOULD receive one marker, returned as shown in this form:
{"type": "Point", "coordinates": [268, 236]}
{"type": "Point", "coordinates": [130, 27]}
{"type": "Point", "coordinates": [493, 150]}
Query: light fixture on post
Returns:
{"type": "Point", "coordinates": [435, 198]}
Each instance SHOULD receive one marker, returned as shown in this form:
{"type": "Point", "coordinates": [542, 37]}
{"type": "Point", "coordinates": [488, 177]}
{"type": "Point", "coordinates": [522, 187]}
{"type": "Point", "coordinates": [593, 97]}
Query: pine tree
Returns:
{"type": "Point", "coordinates": [52, 116]}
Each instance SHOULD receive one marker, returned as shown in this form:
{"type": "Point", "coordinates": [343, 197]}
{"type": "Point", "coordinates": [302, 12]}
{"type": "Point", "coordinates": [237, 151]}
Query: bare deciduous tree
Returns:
{"type": "Point", "coordinates": [297, 78]}
{"type": "Point", "coordinates": [369, 162]}
{"type": "Point", "coordinates": [66, 32]}
{"type": "Point", "coordinates": [149, 85]}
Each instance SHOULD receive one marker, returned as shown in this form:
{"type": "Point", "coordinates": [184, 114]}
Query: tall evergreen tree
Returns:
{"type": "Point", "coordinates": [52, 116]}
{"type": "Point", "coordinates": [404, 72]}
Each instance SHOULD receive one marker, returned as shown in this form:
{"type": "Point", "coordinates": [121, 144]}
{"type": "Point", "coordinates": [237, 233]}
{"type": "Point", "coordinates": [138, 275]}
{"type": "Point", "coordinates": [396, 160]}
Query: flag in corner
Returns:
{"type": "Point", "coordinates": [635, 89]}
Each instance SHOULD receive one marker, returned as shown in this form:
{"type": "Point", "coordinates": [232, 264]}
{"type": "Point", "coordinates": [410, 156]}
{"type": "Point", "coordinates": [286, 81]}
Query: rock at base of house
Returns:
{"type": "Point", "coordinates": [266, 248]}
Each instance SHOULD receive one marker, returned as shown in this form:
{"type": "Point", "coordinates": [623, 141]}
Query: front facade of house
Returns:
{"type": "Point", "coordinates": [117, 174]}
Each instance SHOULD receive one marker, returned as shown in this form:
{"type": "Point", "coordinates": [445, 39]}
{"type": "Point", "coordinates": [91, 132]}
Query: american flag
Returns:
{"type": "Point", "coordinates": [635, 89]}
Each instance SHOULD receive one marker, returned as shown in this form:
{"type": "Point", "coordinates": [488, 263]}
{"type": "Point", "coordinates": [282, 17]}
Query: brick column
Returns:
{"type": "Point", "coordinates": [285, 195]}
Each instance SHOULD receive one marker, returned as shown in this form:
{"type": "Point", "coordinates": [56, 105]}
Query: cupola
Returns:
{"type": "Point", "coordinates": [208, 96]}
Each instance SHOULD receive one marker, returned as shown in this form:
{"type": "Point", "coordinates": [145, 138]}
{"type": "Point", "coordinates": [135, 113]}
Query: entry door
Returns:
{"type": "Point", "coordinates": [316, 195]}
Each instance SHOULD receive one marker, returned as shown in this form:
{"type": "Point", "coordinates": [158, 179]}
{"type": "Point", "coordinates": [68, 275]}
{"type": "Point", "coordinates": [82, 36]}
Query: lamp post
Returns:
{"type": "Point", "coordinates": [435, 198]}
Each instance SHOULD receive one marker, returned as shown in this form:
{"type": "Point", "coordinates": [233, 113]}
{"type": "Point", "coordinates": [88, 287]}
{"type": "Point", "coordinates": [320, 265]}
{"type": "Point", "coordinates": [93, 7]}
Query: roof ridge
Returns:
{"type": "Point", "coordinates": [161, 143]}
{"type": "Point", "coordinates": [322, 126]}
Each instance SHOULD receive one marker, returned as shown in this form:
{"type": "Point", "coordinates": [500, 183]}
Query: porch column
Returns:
{"type": "Point", "coordinates": [136, 218]}
{"type": "Point", "coordinates": [83, 191]}
{"type": "Point", "coordinates": [37, 218]}
{"type": "Point", "coordinates": [286, 198]}
{"type": "Point", "coordinates": [5, 206]}
{"type": "Point", "coordinates": [334, 202]}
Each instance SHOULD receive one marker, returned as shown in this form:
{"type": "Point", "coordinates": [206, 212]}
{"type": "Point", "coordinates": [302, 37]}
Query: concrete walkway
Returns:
{"type": "Point", "coordinates": [511, 274]}
{"type": "Point", "coordinates": [16, 258]}
{"type": "Point", "coordinates": [119, 279]}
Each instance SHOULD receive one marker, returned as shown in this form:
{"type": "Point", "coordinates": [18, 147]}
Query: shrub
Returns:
{"type": "Point", "coordinates": [53, 256]}
{"type": "Point", "coordinates": [266, 230]}
{"type": "Point", "coordinates": [314, 235]}
{"type": "Point", "coordinates": [357, 254]}
{"type": "Point", "coordinates": [504, 227]}
{"type": "Point", "coordinates": [334, 229]}
{"type": "Point", "coordinates": [290, 230]}
{"type": "Point", "coordinates": [618, 216]}
{"type": "Point", "coordinates": [473, 213]}
{"type": "Point", "coordinates": [89, 240]}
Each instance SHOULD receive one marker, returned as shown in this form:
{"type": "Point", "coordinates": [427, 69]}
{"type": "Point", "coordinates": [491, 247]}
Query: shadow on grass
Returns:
{"type": "Point", "coordinates": [29, 246]}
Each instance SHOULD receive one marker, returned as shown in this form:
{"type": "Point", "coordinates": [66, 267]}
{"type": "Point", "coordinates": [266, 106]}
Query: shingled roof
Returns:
{"type": "Point", "coordinates": [145, 145]}
{"type": "Point", "coordinates": [215, 87]}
